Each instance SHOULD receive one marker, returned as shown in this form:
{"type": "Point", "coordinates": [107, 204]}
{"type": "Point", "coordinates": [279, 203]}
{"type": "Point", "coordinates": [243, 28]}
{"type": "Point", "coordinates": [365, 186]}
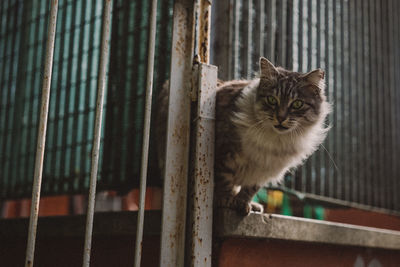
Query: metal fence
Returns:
{"type": "Point", "coordinates": [357, 44]}
{"type": "Point", "coordinates": [23, 27]}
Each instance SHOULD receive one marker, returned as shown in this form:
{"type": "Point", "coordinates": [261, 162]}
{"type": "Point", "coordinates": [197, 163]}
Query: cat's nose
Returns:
{"type": "Point", "coordinates": [280, 118]}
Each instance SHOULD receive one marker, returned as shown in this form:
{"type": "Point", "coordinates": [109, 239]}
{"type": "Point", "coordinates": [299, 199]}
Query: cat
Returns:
{"type": "Point", "coordinates": [264, 128]}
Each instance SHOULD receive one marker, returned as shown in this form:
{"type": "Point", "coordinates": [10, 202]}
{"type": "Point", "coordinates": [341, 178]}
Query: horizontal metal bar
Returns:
{"type": "Point", "coordinates": [37, 179]}
{"type": "Point", "coordinates": [97, 129]}
{"type": "Point", "coordinates": [282, 227]}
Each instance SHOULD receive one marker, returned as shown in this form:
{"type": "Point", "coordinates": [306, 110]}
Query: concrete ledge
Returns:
{"type": "Point", "coordinates": [273, 226]}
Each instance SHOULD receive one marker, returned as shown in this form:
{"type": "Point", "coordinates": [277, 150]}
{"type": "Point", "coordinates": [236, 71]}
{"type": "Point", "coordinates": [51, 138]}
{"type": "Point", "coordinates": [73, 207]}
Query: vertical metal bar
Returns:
{"type": "Point", "coordinates": [289, 35]}
{"type": "Point", "coordinates": [178, 129]}
{"type": "Point", "coordinates": [397, 88]}
{"type": "Point", "coordinates": [334, 88]}
{"type": "Point", "coordinates": [362, 94]}
{"type": "Point", "coordinates": [37, 179]}
{"type": "Point", "coordinates": [236, 40]}
{"type": "Point", "coordinates": [202, 182]}
{"type": "Point", "coordinates": [392, 73]}
{"type": "Point", "coordinates": [221, 37]}
{"type": "Point", "coordinates": [367, 88]}
{"type": "Point", "coordinates": [271, 26]}
{"type": "Point", "coordinates": [250, 29]}
{"type": "Point", "coordinates": [309, 165]}
{"type": "Point", "coordinates": [328, 92]}
{"type": "Point", "coordinates": [261, 35]}
{"type": "Point", "coordinates": [387, 106]}
{"type": "Point", "coordinates": [357, 121]}
{"type": "Point", "coordinates": [349, 186]}
{"type": "Point", "coordinates": [319, 62]}
{"type": "Point", "coordinates": [379, 105]}
{"type": "Point", "coordinates": [146, 132]}
{"type": "Point", "coordinates": [396, 44]}
{"type": "Point", "coordinates": [204, 34]}
{"type": "Point", "coordinates": [97, 129]}
{"type": "Point", "coordinates": [372, 104]}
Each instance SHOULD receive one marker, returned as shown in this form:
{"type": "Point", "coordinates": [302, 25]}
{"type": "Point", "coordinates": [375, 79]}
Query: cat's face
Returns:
{"type": "Point", "coordinates": [288, 101]}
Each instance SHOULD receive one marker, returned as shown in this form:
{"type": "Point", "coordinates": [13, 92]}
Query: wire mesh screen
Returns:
{"type": "Point", "coordinates": [357, 44]}
{"type": "Point", "coordinates": [23, 30]}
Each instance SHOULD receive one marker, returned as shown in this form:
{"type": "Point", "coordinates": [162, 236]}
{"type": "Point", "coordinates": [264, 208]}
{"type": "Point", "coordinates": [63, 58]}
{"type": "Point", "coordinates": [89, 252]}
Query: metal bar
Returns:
{"type": "Point", "coordinates": [205, 27]}
{"type": "Point", "coordinates": [236, 40]}
{"type": "Point", "coordinates": [97, 129]}
{"type": "Point", "coordinates": [289, 35]}
{"type": "Point", "coordinates": [367, 91]}
{"type": "Point", "coordinates": [249, 59]}
{"type": "Point", "coordinates": [308, 52]}
{"type": "Point", "coordinates": [372, 100]}
{"type": "Point", "coordinates": [392, 112]}
{"type": "Point", "coordinates": [37, 179]}
{"type": "Point", "coordinates": [396, 44]}
{"type": "Point", "coordinates": [275, 226]}
{"type": "Point", "coordinates": [357, 122]}
{"type": "Point", "coordinates": [268, 29]}
{"type": "Point", "coordinates": [201, 215]}
{"type": "Point", "coordinates": [146, 132]}
{"type": "Point", "coordinates": [178, 129]}
{"type": "Point", "coordinates": [334, 88]}
{"type": "Point", "coordinates": [261, 22]}
{"type": "Point", "coordinates": [319, 62]}
{"type": "Point", "coordinates": [379, 106]}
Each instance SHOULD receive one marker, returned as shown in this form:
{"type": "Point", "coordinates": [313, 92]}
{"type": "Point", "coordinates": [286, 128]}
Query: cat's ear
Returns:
{"type": "Point", "coordinates": [316, 77]}
{"type": "Point", "coordinates": [267, 69]}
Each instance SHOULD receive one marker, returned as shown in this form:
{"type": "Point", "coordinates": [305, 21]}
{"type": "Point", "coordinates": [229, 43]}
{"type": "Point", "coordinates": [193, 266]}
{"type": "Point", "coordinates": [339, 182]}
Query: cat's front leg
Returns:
{"type": "Point", "coordinates": [242, 201]}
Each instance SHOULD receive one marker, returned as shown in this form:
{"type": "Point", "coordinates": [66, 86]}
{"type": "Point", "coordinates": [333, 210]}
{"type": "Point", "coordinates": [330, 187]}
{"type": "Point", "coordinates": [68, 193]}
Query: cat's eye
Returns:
{"type": "Point", "coordinates": [297, 104]}
{"type": "Point", "coordinates": [271, 100]}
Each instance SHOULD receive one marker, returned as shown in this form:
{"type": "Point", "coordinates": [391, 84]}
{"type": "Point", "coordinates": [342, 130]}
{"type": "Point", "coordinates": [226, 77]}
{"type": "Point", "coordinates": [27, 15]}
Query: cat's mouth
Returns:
{"type": "Point", "coordinates": [281, 128]}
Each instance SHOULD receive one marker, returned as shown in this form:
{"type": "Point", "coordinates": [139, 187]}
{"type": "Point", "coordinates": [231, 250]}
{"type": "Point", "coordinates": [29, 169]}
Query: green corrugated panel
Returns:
{"type": "Point", "coordinates": [23, 28]}
{"type": "Point", "coordinates": [124, 118]}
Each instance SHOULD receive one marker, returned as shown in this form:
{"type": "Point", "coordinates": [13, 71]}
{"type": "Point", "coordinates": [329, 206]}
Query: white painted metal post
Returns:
{"type": "Point", "coordinates": [178, 130]}
{"type": "Point", "coordinates": [202, 174]}
{"type": "Point", "coordinates": [201, 212]}
{"type": "Point", "coordinates": [37, 179]}
{"type": "Point", "coordinates": [146, 132]}
{"type": "Point", "coordinates": [97, 129]}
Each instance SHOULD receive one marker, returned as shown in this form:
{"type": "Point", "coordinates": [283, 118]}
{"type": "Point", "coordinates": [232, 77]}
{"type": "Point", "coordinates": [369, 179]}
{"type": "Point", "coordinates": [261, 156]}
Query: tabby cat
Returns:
{"type": "Point", "coordinates": [265, 127]}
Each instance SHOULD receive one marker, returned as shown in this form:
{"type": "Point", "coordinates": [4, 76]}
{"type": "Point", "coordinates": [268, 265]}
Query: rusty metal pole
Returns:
{"type": "Point", "coordinates": [37, 179]}
{"type": "Point", "coordinates": [97, 129]}
{"type": "Point", "coordinates": [202, 175]}
{"type": "Point", "coordinates": [178, 130]}
{"type": "Point", "coordinates": [146, 132]}
{"type": "Point", "coordinates": [202, 179]}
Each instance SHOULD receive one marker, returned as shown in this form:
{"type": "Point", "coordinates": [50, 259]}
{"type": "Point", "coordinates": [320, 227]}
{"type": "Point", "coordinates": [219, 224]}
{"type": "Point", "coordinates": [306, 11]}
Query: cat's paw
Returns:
{"type": "Point", "coordinates": [244, 208]}
{"type": "Point", "coordinates": [257, 207]}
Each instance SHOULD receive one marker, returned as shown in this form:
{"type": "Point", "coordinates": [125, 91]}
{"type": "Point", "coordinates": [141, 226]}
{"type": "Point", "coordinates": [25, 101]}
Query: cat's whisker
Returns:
{"type": "Point", "coordinates": [330, 157]}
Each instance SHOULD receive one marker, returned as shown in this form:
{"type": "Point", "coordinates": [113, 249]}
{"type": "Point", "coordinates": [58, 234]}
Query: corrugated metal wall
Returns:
{"type": "Point", "coordinates": [357, 43]}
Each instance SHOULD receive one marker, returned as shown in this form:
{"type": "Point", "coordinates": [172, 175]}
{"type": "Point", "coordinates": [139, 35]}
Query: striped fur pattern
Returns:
{"type": "Point", "coordinates": [265, 127]}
